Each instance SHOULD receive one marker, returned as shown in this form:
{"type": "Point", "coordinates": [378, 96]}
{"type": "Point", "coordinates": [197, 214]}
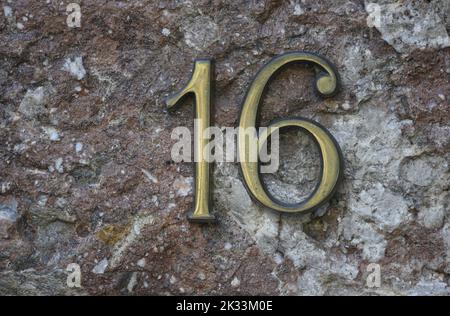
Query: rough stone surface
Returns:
{"type": "Point", "coordinates": [86, 174]}
{"type": "Point", "coordinates": [409, 25]}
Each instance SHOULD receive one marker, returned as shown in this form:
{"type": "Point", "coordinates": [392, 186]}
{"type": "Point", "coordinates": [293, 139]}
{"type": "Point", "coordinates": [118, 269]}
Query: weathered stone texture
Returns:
{"type": "Point", "coordinates": [86, 174]}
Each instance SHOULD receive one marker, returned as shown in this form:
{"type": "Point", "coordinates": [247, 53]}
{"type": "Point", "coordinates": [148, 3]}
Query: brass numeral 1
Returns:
{"type": "Point", "coordinates": [200, 86]}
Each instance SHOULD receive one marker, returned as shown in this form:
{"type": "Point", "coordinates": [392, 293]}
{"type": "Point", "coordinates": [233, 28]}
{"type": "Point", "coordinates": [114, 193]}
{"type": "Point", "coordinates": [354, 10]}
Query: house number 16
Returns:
{"type": "Point", "coordinates": [326, 84]}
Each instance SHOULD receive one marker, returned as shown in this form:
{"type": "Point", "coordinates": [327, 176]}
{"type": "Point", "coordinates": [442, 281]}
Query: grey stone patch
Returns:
{"type": "Point", "coordinates": [235, 282]}
{"type": "Point", "coordinates": [8, 211]}
{"type": "Point", "coordinates": [380, 205]}
{"type": "Point", "coordinates": [141, 263]}
{"type": "Point", "coordinates": [33, 103]}
{"type": "Point", "coordinates": [446, 238]}
{"type": "Point", "coordinates": [7, 11]}
{"type": "Point", "coordinates": [314, 282]}
{"type": "Point", "coordinates": [364, 236]}
{"type": "Point", "coordinates": [78, 147]}
{"type": "Point", "coordinates": [8, 217]}
{"type": "Point", "coordinates": [298, 9]}
{"type": "Point", "coordinates": [432, 216]}
{"type": "Point", "coordinates": [430, 286]}
{"type": "Point", "coordinates": [311, 283]}
{"type": "Point", "coordinates": [165, 32]}
{"type": "Point", "coordinates": [373, 148]}
{"type": "Point", "coordinates": [132, 283]}
{"type": "Point", "coordinates": [6, 187]}
{"type": "Point", "coordinates": [100, 267]}
{"type": "Point", "coordinates": [363, 71]}
{"type": "Point", "coordinates": [410, 25]}
{"type": "Point", "coordinates": [52, 133]}
{"type": "Point", "coordinates": [424, 170]}
{"type": "Point", "coordinates": [59, 165]}
{"type": "Point", "coordinates": [75, 67]}
{"type": "Point", "coordinates": [426, 178]}
{"type": "Point", "coordinates": [299, 170]}
{"type": "Point", "coordinates": [200, 33]}
{"type": "Point", "coordinates": [439, 136]}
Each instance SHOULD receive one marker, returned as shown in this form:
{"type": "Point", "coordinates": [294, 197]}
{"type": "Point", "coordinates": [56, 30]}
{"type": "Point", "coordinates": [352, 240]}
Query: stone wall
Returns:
{"type": "Point", "coordinates": [86, 173]}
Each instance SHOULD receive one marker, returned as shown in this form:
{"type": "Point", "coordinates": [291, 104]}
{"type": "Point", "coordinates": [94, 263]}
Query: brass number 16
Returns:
{"type": "Point", "coordinates": [326, 84]}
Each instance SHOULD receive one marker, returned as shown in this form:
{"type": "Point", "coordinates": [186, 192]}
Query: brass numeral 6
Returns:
{"type": "Point", "coordinates": [326, 84]}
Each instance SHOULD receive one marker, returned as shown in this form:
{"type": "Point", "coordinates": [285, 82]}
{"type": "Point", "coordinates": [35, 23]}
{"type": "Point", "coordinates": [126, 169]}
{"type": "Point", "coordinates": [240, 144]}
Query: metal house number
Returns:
{"type": "Point", "coordinates": [326, 84]}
